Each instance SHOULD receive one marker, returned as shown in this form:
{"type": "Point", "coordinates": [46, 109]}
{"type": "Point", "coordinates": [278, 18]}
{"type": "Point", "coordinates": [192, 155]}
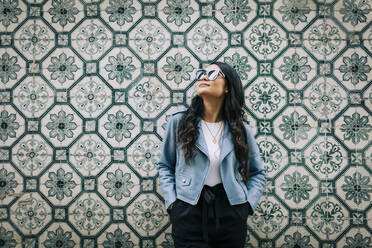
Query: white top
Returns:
{"type": "Point", "coordinates": [214, 149]}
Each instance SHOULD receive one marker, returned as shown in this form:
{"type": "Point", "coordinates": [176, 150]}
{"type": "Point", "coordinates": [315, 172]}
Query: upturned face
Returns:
{"type": "Point", "coordinates": [205, 87]}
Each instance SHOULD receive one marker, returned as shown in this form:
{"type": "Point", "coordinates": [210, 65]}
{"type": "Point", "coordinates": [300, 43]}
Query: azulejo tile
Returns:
{"type": "Point", "coordinates": [353, 68]}
{"type": "Point", "coordinates": [353, 128]}
{"type": "Point", "coordinates": [355, 188]}
{"type": "Point", "coordinates": [295, 68]}
{"type": "Point", "coordinates": [356, 237]}
{"type": "Point", "coordinates": [59, 234]}
{"type": "Point", "coordinates": [62, 68]}
{"type": "Point", "coordinates": [274, 155]}
{"type": "Point", "coordinates": [148, 97]}
{"type": "Point", "coordinates": [32, 154]}
{"type": "Point", "coordinates": [295, 127]}
{"type": "Point", "coordinates": [326, 157]}
{"type": "Point", "coordinates": [325, 98]}
{"type": "Point", "coordinates": [91, 96]}
{"type": "Point", "coordinates": [144, 154]}
{"type": "Point", "coordinates": [369, 217]}
{"type": "Point", "coordinates": [367, 39]}
{"type": "Point", "coordinates": [88, 214]}
{"type": "Point", "coordinates": [118, 184]}
{"type": "Point", "coordinates": [118, 235]}
{"type": "Point", "coordinates": [297, 186]}
{"type": "Point", "coordinates": [11, 183]}
{"type": "Point", "coordinates": [119, 68]}
{"type": "Point", "coordinates": [121, 15]}
{"type": "Point", "coordinates": [265, 39]}
{"type": "Point", "coordinates": [149, 39]}
{"type": "Point", "coordinates": [89, 154]}
{"type": "Point", "coordinates": [297, 235]}
{"type": "Point", "coordinates": [34, 39]}
{"type": "Point", "coordinates": [177, 68]}
{"type": "Point", "coordinates": [178, 15]}
{"type": "Point", "coordinates": [242, 62]}
{"type": "Point", "coordinates": [234, 15]}
{"type": "Point", "coordinates": [294, 15]}
{"type": "Point", "coordinates": [269, 226]}
{"type": "Point", "coordinates": [13, 13]}
{"type": "Point", "coordinates": [9, 236]}
{"type": "Point", "coordinates": [147, 215]}
{"type": "Point", "coordinates": [12, 125]}
{"type": "Point", "coordinates": [265, 97]}
{"type": "Point", "coordinates": [61, 125]}
{"type": "Point", "coordinates": [91, 39]}
{"type": "Point", "coordinates": [354, 15]}
{"type": "Point", "coordinates": [119, 126]}
{"type": "Point", "coordinates": [33, 96]}
{"type": "Point", "coordinates": [324, 39]}
{"type": "Point", "coordinates": [63, 15]}
{"type": "Point", "coordinates": [30, 213]}
{"type": "Point", "coordinates": [207, 39]}
{"type": "Point", "coordinates": [328, 218]}
{"type": "Point", "coordinates": [13, 67]}
{"type": "Point", "coordinates": [60, 184]}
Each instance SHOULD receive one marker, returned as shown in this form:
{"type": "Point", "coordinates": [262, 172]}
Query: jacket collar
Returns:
{"type": "Point", "coordinates": [227, 143]}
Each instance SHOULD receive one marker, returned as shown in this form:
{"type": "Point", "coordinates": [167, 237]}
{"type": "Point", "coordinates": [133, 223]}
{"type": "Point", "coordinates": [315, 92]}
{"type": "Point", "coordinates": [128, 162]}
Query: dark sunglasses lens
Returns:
{"type": "Point", "coordinates": [212, 74]}
{"type": "Point", "coordinates": [199, 74]}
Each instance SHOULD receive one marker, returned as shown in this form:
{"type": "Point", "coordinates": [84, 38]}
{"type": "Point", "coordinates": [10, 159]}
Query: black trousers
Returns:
{"type": "Point", "coordinates": [211, 223]}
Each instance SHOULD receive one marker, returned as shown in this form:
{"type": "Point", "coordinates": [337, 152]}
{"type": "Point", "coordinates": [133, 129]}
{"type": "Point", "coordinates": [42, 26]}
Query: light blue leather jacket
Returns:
{"type": "Point", "coordinates": [186, 181]}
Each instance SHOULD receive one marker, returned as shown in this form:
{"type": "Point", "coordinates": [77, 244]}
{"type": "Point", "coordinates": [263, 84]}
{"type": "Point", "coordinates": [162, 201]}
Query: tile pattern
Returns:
{"type": "Point", "coordinates": [86, 88]}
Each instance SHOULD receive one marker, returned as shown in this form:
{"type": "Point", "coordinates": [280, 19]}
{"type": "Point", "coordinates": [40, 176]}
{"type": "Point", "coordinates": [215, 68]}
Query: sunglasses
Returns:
{"type": "Point", "coordinates": [211, 75]}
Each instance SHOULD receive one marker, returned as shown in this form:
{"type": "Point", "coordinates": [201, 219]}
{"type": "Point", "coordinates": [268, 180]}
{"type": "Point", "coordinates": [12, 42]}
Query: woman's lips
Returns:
{"type": "Point", "coordinates": [203, 85]}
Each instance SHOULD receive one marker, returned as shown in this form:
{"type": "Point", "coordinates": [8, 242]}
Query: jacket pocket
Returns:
{"type": "Point", "coordinates": [239, 180]}
{"type": "Point", "coordinates": [184, 180]}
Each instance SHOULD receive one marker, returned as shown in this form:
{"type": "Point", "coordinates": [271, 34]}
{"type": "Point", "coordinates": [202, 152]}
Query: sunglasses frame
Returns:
{"type": "Point", "coordinates": [207, 73]}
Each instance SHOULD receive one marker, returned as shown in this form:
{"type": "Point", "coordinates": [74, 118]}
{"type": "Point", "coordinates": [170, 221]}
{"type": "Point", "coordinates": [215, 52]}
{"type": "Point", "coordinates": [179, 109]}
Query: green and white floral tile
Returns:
{"type": "Point", "coordinates": [268, 226]}
{"type": "Point", "coordinates": [177, 68]}
{"type": "Point", "coordinates": [353, 68]}
{"type": "Point", "coordinates": [119, 184]}
{"type": "Point", "coordinates": [355, 179]}
{"type": "Point", "coordinates": [274, 154]}
{"type": "Point", "coordinates": [325, 98]}
{"type": "Point", "coordinates": [59, 234]}
{"type": "Point", "coordinates": [146, 215]}
{"type": "Point", "coordinates": [13, 125]}
{"type": "Point", "coordinates": [62, 68]}
{"type": "Point", "coordinates": [264, 97]}
{"type": "Point", "coordinates": [297, 186]}
{"type": "Point", "coordinates": [294, 15]}
{"type": "Point", "coordinates": [325, 157]}
{"type": "Point", "coordinates": [296, 235]}
{"type": "Point", "coordinates": [165, 239]}
{"type": "Point", "coordinates": [356, 236]}
{"type": "Point", "coordinates": [118, 235]}
{"type": "Point", "coordinates": [14, 68]}
{"type": "Point", "coordinates": [10, 236]}
{"type": "Point", "coordinates": [12, 183]}
{"type": "Point", "coordinates": [295, 68]}
{"type": "Point", "coordinates": [33, 96]}
{"type": "Point", "coordinates": [234, 15]}
{"type": "Point", "coordinates": [88, 214]}
{"type": "Point", "coordinates": [353, 128]}
{"type": "Point", "coordinates": [30, 213]}
{"type": "Point", "coordinates": [61, 125]}
{"type": "Point", "coordinates": [32, 154]}
{"type": "Point", "coordinates": [60, 184]}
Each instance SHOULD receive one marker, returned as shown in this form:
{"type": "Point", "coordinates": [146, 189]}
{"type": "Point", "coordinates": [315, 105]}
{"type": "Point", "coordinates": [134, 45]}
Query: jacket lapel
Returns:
{"type": "Point", "coordinates": [200, 142]}
{"type": "Point", "coordinates": [227, 143]}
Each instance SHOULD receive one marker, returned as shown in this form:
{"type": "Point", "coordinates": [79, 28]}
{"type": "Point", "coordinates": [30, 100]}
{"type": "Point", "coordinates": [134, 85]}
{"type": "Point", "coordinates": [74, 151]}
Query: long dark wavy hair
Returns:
{"type": "Point", "coordinates": [231, 112]}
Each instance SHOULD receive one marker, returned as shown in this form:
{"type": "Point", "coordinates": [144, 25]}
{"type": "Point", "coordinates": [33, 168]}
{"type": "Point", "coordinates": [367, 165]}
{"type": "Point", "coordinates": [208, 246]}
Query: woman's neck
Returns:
{"type": "Point", "coordinates": [212, 110]}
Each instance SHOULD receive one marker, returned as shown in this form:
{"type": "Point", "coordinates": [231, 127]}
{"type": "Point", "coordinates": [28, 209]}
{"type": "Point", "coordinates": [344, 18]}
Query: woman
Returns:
{"type": "Point", "coordinates": [210, 171]}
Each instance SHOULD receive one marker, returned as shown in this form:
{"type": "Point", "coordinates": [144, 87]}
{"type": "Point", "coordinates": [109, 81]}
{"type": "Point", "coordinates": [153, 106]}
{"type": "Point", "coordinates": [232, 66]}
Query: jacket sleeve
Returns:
{"type": "Point", "coordinates": [257, 172]}
{"type": "Point", "coordinates": [166, 164]}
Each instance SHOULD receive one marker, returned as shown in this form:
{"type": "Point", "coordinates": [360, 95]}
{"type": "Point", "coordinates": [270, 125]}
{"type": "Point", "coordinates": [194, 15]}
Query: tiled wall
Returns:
{"type": "Point", "coordinates": [86, 88]}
